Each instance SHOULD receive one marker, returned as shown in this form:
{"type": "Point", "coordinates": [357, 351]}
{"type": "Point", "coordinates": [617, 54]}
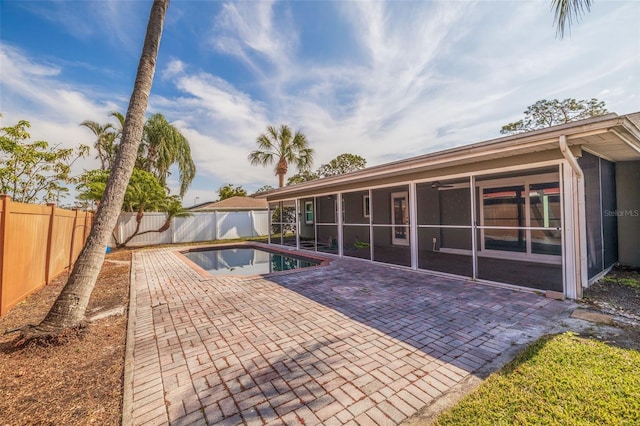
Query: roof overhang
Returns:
{"type": "Point", "coordinates": [612, 137]}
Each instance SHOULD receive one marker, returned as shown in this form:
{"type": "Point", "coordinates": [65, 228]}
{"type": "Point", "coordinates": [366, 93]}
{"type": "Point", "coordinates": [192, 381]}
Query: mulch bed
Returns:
{"type": "Point", "coordinates": [77, 381]}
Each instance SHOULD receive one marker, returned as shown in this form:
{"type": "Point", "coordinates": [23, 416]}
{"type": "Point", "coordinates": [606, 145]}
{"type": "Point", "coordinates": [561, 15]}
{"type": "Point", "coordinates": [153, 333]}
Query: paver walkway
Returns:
{"type": "Point", "coordinates": [350, 343]}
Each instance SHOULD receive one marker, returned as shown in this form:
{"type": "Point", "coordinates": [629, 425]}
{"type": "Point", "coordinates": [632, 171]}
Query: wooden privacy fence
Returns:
{"type": "Point", "coordinates": [37, 243]}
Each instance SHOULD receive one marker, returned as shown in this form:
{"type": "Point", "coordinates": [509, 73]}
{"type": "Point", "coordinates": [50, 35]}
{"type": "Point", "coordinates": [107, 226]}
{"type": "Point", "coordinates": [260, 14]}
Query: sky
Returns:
{"type": "Point", "coordinates": [383, 80]}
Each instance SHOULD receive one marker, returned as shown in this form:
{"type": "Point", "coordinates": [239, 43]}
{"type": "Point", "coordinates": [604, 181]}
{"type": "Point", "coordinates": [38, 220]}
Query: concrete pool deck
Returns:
{"type": "Point", "coordinates": [349, 343]}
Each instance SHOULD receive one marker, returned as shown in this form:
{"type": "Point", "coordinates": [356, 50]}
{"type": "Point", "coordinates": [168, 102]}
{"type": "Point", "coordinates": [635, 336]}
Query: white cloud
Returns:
{"type": "Point", "coordinates": [175, 67]}
{"type": "Point", "coordinates": [221, 124]}
{"type": "Point", "coordinates": [36, 92]}
{"type": "Point", "coordinates": [255, 31]}
{"type": "Point", "coordinates": [30, 87]}
{"type": "Point", "coordinates": [421, 76]}
{"type": "Point", "coordinates": [433, 75]}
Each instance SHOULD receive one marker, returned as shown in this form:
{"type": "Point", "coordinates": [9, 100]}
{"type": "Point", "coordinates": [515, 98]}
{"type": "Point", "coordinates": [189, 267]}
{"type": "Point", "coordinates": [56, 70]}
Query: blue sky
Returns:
{"type": "Point", "coordinates": [384, 80]}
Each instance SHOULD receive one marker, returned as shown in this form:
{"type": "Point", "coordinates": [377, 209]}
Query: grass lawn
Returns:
{"type": "Point", "coordinates": [559, 380]}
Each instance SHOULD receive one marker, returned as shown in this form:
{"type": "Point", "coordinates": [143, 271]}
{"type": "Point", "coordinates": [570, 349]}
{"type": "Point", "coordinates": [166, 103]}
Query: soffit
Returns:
{"type": "Point", "coordinates": [610, 145]}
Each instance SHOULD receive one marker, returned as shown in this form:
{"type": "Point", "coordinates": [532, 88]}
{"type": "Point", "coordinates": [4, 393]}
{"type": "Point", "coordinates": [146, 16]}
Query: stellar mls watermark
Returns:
{"type": "Point", "coordinates": [622, 213]}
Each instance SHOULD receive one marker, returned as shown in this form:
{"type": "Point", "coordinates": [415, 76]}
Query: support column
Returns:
{"type": "Point", "coordinates": [413, 225]}
{"type": "Point", "coordinates": [570, 233]}
{"type": "Point", "coordinates": [474, 227]}
{"type": "Point", "coordinates": [340, 220]}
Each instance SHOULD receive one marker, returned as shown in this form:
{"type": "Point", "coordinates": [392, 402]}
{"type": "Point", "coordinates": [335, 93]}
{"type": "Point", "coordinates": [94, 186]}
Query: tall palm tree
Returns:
{"type": "Point", "coordinates": [165, 146]}
{"type": "Point", "coordinates": [568, 11]}
{"type": "Point", "coordinates": [69, 308]}
{"type": "Point", "coordinates": [283, 148]}
{"type": "Point", "coordinates": [162, 146]}
{"type": "Point", "coordinates": [105, 138]}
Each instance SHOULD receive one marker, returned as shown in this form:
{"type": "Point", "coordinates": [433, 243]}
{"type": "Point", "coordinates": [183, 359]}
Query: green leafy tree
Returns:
{"type": "Point", "coordinates": [567, 12]}
{"type": "Point", "coordinates": [230, 190]}
{"type": "Point", "coordinates": [34, 171]}
{"type": "Point", "coordinates": [343, 163]}
{"type": "Point", "coordinates": [105, 143]}
{"type": "Point", "coordinates": [143, 194]}
{"type": "Point", "coordinates": [107, 139]}
{"type": "Point", "coordinates": [163, 146]}
{"type": "Point", "coordinates": [69, 309]}
{"type": "Point", "coordinates": [545, 113]}
{"type": "Point", "coordinates": [282, 147]}
{"type": "Point", "coordinates": [300, 177]}
{"type": "Point", "coordinates": [264, 188]}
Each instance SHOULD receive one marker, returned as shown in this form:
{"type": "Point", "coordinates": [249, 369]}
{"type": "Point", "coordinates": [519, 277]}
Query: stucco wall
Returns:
{"type": "Point", "coordinates": [628, 212]}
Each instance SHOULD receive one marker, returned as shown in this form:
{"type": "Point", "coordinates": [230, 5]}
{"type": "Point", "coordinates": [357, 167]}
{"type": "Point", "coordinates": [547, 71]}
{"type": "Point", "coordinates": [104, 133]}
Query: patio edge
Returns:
{"type": "Point", "coordinates": [127, 382]}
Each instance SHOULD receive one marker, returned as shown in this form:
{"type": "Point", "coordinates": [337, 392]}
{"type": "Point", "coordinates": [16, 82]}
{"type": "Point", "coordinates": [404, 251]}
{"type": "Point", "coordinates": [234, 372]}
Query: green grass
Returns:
{"type": "Point", "coordinates": [559, 380]}
{"type": "Point", "coordinates": [629, 282]}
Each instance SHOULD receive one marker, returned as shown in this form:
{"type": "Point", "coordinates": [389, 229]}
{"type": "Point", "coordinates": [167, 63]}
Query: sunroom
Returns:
{"type": "Point", "coordinates": [526, 211]}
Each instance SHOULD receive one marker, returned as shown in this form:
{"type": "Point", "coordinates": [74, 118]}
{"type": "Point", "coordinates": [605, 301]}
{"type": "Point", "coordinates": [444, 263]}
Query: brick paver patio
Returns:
{"type": "Point", "coordinates": [350, 343]}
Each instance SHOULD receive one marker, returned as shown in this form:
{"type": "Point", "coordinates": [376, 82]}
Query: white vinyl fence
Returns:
{"type": "Point", "coordinates": [201, 226]}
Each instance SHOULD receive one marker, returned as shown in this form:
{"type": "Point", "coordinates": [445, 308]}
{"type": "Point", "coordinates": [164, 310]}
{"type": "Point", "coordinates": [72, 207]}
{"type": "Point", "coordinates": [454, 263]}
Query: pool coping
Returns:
{"type": "Point", "coordinates": [322, 261]}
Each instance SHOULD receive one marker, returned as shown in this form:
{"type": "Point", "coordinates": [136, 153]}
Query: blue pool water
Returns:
{"type": "Point", "coordinates": [245, 261]}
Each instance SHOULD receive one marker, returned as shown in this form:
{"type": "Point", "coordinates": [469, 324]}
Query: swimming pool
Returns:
{"type": "Point", "coordinates": [246, 260]}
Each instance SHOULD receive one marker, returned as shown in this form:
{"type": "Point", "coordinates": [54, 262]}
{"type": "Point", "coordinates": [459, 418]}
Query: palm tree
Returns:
{"type": "Point", "coordinates": [568, 11]}
{"type": "Point", "coordinates": [69, 308]}
{"type": "Point", "coordinates": [283, 148]}
{"type": "Point", "coordinates": [165, 146]}
{"type": "Point", "coordinates": [162, 146]}
{"type": "Point", "coordinates": [105, 138]}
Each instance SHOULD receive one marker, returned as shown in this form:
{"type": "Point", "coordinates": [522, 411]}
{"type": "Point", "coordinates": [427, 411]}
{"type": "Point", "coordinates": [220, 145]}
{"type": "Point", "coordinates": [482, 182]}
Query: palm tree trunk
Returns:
{"type": "Point", "coordinates": [281, 170]}
{"type": "Point", "coordinates": [70, 306]}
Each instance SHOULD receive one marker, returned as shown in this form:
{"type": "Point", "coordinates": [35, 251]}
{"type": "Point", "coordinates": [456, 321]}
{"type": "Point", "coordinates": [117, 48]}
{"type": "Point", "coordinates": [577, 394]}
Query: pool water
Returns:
{"type": "Point", "coordinates": [245, 261]}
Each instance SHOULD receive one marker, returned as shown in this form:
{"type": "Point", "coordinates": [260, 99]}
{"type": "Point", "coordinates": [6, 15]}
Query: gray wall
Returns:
{"type": "Point", "coordinates": [443, 207]}
{"type": "Point", "coordinates": [628, 212]}
{"type": "Point", "coordinates": [381, 211]}
{"type": "Point", "coordinates": [307, 230]}
{"type": "Point", "coordinates": [354, 207]}
{"type": "Point", "coordinates": [590, 165]}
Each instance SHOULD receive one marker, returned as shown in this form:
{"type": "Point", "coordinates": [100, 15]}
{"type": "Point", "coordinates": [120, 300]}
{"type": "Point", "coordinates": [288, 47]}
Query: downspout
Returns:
{"type": "Point", "coordinates": [568, 155]}
{"type": "Point", "coordinates": [580, 220]}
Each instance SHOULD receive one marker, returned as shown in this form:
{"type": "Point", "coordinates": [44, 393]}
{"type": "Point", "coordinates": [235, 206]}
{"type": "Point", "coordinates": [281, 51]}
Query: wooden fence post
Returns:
{"type": "Point", "coordinates": [73, 237]}
{"type": "Point", "coordinates": [86, 228]}
{"type": "Point", "coordinates": [5, 203]}
{"type": "Point", "coordinates": [47, 260]}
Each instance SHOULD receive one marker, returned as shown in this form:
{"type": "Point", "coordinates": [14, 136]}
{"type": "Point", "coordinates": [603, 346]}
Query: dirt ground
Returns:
{"type": "Point", "coordinates": [617, 294]}
{"type": "Point", "coordinates": [80, 381]}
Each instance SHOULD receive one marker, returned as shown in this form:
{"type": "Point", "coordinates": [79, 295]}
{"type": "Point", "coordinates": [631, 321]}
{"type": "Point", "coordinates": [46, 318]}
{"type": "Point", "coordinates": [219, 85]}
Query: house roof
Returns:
{"type": "Point", "coordinates": [610, 136]}
{"type": "Point", "coordinates": [234, 203]}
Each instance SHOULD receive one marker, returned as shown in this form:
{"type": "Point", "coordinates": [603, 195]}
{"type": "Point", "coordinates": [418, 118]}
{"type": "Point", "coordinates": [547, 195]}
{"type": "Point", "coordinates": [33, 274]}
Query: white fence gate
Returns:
{"type": "Point", "coordinates": [201, 226]}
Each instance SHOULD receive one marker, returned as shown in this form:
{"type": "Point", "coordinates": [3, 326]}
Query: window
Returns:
{"type": "Point", "coordinates": [504, 210]}
{"type": "Point", "coordinates": [522, 215]}
{"type": "Point", "coordinates": [308, 212]}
